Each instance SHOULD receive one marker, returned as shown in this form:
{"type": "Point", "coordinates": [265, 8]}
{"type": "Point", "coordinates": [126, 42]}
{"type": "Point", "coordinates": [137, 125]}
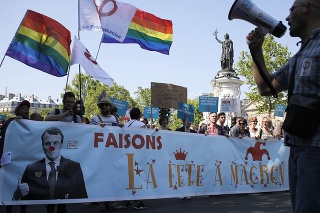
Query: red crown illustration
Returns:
{"type": "Point", "coordinates": [257, 152]}
{"type": "Point", "coordinates": [180, 155]}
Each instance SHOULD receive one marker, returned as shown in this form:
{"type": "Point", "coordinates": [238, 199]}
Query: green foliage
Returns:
{"type": "Point", "coordinates": [91, 89]}
{"type": "Point", "coordinates": [197, 115]}
{"type": "Point", "coordinates": [8, 115]}
{"type": "Point", "coordinates": [175, 122]}
{"type": "Point", "coordinates": [275, 56]}
{"type": "Point", "coordinates": [143, 98]}
{"type": "Point", "coordinates": [44, 112]}
{"type": "Point", "coordinates": [86, 84]}
{"type": "Point", "coordinates": [114, 91]}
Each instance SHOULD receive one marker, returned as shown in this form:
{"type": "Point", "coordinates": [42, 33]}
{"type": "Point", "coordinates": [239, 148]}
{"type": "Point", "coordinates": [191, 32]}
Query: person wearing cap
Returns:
{"type": "Point", "coordinates": [66, 114]}
{"type": "Point", "coordinates": [22, 112]}
{"type": "Point", "coordinates": [104, 118]}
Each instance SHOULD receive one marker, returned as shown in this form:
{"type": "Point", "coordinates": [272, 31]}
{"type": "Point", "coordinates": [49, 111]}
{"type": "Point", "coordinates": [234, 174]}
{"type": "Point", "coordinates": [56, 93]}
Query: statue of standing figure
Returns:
{"type": "Point", "coordinates": [227, 51]}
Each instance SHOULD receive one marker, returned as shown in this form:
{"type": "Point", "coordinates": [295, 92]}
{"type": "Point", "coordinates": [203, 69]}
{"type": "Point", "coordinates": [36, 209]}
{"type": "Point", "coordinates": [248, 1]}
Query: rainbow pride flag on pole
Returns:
{"type": "Point", "coordinates": [42, 43]}
{"type": "Point", "coordinates": [147, 30]}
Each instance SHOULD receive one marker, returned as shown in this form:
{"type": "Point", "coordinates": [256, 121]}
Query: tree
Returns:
{"type": "Point", "coordinates": [91, 89]}
{"type": "Point", "coordinates": [198, 116]}
{"type": "Point", "coordinates": [44, 112]}
{"type": "Point", "coordinates": [143, 98]}
{"type": "Point", "coordinates": [86, 83]}
{"type": "Point", "coordinates": [275, 56]}
{"type": "Point", "coordinates": [8, 115]}
{"type": "Point", "coordinates": [114, 91]}
{"type": "Point", "coordinates": [177, 122]}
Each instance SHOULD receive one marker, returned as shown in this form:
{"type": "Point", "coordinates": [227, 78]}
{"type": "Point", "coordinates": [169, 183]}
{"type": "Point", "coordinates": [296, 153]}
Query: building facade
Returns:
{"type": "Point", "coordinates": [9, 103]}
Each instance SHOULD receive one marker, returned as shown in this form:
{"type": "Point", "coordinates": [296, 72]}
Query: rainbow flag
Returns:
{"type": "Point", "coordinates": [147, 30]}
{"type": "Point", "coordinates": [42, 43]}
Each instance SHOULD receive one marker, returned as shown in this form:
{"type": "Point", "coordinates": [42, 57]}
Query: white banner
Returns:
{"type": "Point", "coordinates": [132, 164]}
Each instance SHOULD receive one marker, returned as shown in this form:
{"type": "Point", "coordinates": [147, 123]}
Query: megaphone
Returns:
{"type": "Point", "coordinates": [248, 11]}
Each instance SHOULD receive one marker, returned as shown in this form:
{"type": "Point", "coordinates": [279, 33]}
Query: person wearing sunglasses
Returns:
{"type": "Point", "coordinates": [105, 118]}
{"type": "Point", "coordinates": [304, 159]}
{"type": "Point", "coordinates": [239, 130]}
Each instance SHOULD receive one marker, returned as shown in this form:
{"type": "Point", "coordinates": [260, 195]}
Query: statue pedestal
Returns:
{"type": "Point", "coordinates": [226, 84]}
{"type": "Point", "coordinates": [227, 74]}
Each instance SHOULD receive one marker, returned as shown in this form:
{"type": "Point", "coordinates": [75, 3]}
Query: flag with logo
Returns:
{"type": "Point", "coordinates": [115, 17]}
{"type": "Point", "coordinates": [124, 23]}
{"type": "Point", "coordinates": [81, 55]}
{"type": "Point", "coordinates": [42, 43]}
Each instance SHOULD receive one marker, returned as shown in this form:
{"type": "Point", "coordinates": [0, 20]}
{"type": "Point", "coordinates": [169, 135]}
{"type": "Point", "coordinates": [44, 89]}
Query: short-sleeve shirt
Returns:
{"type": "Point", "coordinates": [66, 119]}
{"type": "Point", "coordinates": [307, 80]}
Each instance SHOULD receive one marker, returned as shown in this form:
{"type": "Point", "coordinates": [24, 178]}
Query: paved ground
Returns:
{"type": "Point", "coordinates": [274, 202]}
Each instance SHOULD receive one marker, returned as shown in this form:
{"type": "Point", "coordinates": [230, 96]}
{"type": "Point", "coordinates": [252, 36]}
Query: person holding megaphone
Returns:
{"type": "Point", "coordinates": [301, 77]}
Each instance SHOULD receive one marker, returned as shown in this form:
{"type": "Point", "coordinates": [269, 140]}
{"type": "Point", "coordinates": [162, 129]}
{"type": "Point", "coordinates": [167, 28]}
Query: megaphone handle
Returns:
{"type": "Point", "coordinates": [264, 32]}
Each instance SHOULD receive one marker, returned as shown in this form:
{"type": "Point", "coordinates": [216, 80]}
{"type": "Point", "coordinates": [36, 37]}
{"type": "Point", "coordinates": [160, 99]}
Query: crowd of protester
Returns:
{"type": "Point", "coordinates": [73, 111]}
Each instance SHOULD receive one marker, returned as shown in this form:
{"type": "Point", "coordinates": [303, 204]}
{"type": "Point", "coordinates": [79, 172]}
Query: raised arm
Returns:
{"type": "Point", "coordinates": [256, 38]}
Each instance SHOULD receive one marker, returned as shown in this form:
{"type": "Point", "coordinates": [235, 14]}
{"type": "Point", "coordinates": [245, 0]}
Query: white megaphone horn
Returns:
{"type": "Point", "coordinates": [248, 11]}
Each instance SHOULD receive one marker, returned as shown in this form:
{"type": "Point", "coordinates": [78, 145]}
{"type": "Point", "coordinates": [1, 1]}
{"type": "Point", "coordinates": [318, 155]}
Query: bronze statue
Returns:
{"type": "Point", "coordinates": [227, 51]}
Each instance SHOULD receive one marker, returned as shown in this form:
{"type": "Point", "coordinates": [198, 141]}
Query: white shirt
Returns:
{"type": "Point", "coordinates": [135, 123]}
{"type": "Point", "coordinates": [48, 167]}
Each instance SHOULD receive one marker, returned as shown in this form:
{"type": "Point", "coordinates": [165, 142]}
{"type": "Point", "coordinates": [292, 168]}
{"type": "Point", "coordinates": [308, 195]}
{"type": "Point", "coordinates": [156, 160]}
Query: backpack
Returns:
{"type": "Point", "coordinates": [57, 112]}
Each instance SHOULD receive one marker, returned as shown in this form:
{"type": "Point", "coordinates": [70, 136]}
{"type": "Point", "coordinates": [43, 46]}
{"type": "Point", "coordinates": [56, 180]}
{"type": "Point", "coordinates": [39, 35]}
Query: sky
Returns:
{"type": "Point", "coordinates": [194, 57]}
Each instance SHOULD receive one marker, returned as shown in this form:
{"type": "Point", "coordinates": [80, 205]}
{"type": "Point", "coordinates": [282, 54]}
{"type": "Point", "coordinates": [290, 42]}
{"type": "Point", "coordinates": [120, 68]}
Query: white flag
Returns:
{"type": "Point", "coordinates": [88, 16]}
{"type": "Point", "coordinates": [114, 17]}
{"type": "Point", "coordinates": [80, 55]}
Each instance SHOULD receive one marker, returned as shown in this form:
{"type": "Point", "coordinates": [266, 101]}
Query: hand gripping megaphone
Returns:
{"type": "Point", "coordinates": [248, 11]}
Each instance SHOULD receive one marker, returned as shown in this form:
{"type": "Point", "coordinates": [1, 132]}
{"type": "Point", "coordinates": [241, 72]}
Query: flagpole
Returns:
{"type": "Point", "coordinates": [65, 89]}
{"type": "Point", "coordinates": [2, 59]}
{"type": "Point", "coordinates": [80, 96]}
{"type": "Point", "coordinates": [99, 48]}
